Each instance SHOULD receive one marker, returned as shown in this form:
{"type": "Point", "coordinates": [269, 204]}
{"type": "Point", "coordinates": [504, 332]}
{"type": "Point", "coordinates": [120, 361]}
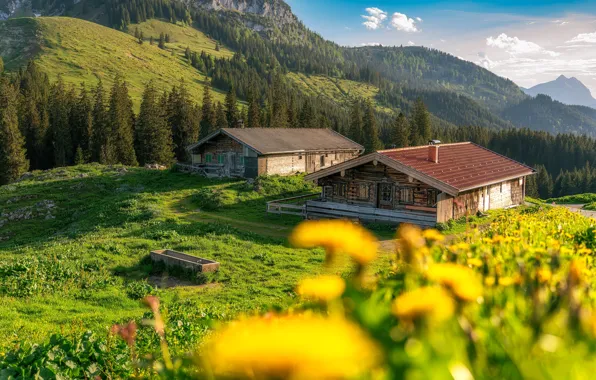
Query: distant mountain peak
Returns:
{"type": "Point", "coordinates": [568, 90]}
{"type": "Point", "coordinates": [276, 10]}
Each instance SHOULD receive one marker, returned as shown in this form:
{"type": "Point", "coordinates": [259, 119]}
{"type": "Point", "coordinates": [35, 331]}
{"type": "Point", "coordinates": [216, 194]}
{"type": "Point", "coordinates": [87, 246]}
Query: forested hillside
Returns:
{"type": "Point", "coordinates": [268, 35]}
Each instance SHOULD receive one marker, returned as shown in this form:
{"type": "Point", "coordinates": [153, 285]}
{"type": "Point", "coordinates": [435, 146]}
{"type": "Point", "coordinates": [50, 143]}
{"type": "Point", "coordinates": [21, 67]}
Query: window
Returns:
{"type": "Point", "coordinates": [406, 195]}
{"type": "Point", "coordinates": [221, 158]}
{"type": "Point", "coordinates": [339, 190]}
{"type": "Point", "coordinates": [431, 199]}
{"type": "Point", "coordinates": [300, 157]}
{"type": "Point", "coordinates": [363, 191]}
{"type": "Point", "coordinates": [327, 192]}
{"type": "Point", "coordinates": [241, 160]}
{"type": "Point", "coordinates": [322, 160]}
{"type": "Point", "coordinates": [208, 158]}
{"type": "Point", "coordinates": [386, 193]}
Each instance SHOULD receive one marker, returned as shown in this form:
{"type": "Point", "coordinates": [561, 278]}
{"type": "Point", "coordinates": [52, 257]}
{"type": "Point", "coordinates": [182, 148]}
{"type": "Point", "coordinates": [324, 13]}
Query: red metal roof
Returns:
{"type": "Point", "coordinates": [463, 166]}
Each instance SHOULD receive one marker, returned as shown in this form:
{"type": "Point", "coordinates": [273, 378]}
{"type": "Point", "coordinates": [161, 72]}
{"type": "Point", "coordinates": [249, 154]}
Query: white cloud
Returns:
{"type": "Point", "coordinates": [418, 19]}
{"type": "Point", "coordinates": [402, 22]}
{"type": "Point", "coordinates": [410, 43]}
{"type": "Point", "coordinates": [515, 46]}
{"type": "Point", "coordinates": [560, 22]}
{"type": "Point", "coordinates": [484, 61]}
{"type": "Point", "coordinates": [370, 44]}
{"type": "Point", "coordinates": [374, 19]}
{"type": "Point", "coordinates": [589, 38]}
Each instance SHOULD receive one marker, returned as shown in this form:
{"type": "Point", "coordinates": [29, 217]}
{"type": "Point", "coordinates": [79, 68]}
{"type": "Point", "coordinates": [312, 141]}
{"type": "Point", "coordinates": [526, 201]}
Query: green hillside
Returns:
{"type": "Point", "coordinates": [81, 51]}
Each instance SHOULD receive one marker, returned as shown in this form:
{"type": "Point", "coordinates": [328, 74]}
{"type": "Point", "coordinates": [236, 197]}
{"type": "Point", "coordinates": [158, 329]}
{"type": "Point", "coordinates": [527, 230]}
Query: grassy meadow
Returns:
{"type": "Point", "coordinates": [82, 52]}
{"type": "Point", "coordinates": [75, 255]}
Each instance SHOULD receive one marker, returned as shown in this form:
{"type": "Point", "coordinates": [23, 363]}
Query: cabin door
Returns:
{"type": "Point", "coordinates": [385, 195]}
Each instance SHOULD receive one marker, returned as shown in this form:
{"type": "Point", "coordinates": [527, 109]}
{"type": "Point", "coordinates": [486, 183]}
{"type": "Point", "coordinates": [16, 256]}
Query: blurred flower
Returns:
{"type": "Point", "coordinates": [433, 235]}
{"type": "Point", "coordinates": [475, 262]}
{"type": "Point", "coordinates": [127, 332]}
{"type": "Point", "coordinates": [431, 302]}
{"type": "Point", "coordinates": [575, 273]}
{"type": "Point", "coordinates": [322, 288]}
{"type": "Point", "coordinates": [409, 242]}
{"type": "Point", "coordinates": [543, 275]}
{"type": "Point", "coordinates": [462, 281]}
{"type": "Point", "coordinates": [336, 236]}
{"type": "Point", "coordinates": [298, 346]}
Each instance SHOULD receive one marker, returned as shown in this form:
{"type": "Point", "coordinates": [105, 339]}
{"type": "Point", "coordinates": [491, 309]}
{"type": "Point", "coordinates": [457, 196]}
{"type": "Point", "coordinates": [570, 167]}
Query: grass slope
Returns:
{"type": "Point", "coordinates": [74, 245]}
{"type": "Point", "coordinates": [341, 91]}
{"type": "Point", "coordinates": [82, 51]}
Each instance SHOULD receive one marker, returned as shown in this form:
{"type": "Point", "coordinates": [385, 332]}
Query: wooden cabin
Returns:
{"type": "Point", "coordinates": [422, 185]}
{"type": "Point", "coordinates": [251, 152]}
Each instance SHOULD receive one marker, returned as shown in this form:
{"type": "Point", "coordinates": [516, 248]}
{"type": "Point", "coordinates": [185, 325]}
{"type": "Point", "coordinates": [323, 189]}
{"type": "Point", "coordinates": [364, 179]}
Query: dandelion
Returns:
{"type": "Point", "coordinates": [462, 281]}
{"type": "Point", "coordinates": [298, 346]}
{"type": "Point", "coordinates": [322, 288]}
{"type": "Point", "coordinates": [432, 235]}
{"type": "Point", "coordinates": [431, 302]}
{"type": "Point", "coordinates": [543, 275]}
{"type": "Point", "coordinates": [409, 241]}
{"type": "Point", "coordinates": [336, 236]}
{"type": "Point", "coordinates": [475, 262]}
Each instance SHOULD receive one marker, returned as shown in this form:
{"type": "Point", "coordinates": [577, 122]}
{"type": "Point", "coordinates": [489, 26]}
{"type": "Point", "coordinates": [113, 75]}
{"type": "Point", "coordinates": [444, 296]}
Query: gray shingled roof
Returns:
{"type": "Point", "coordinates": [285, 140]}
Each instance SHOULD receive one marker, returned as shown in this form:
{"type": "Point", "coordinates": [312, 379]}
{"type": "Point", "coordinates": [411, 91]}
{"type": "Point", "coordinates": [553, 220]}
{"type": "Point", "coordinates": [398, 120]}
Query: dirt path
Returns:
{"type": "Point", "coordinates": [579, 209]}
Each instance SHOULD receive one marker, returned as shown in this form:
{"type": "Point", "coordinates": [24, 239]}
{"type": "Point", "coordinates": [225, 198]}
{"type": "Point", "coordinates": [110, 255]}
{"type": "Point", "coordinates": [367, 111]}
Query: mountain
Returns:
{"type": "Point", "coordinates": [565, 90]}
{"type": "Point", "coordinates": [264, 37]}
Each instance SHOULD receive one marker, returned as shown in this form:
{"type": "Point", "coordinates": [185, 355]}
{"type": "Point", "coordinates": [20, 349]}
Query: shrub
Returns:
{"type": "Point", "coordinates": [209, 199]}
{"type": "Point", "coordinates": [137, 290]}
{"type": "Point", "coordinates": [275, 185]}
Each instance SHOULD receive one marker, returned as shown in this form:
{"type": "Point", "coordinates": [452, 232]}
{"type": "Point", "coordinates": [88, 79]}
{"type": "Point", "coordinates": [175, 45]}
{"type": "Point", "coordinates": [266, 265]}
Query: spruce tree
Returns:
{"type": "Point", "coordinates": [79, 158]}
{"type": "Point", "coordinates": [421, 125]}
{"type": "Point", "coordinates": [102, 150]}
{"type": "Point", "coordinates": [355, 129]}
{"type": "Point", "coordinates": [34, 125]}
{"type": "Point", "coordinates": [121, 122]}
{"type": "Point", "coordinates": [307, 117]}
{"type": "Point", "coordinates": [208, 115]}
{"type": "Point", "coordinates": [82, 123]}
{"type": "Point", "coordinates": [13, 161]}
{"type": "Point", "coordinates": [59, 132]}
{"type": "Point", "coordinates": [153, 135]}
{"type": "Point", "coordinates": [544, 181]}
{"type": "Point", "coordinates": [231, 108]}
{"type": "Point", "coordinates": [222, 120]}
{"type": "Point", "coordinates": [400, 131]}
{"type": "Point", "coordinates": [162, 41]}
{"type": "Point", "coordinates": [184, 119]}
{"type": "Point", "coordinates": [370, 136]}
{"type": "Point", "coordinates": [254, 109]}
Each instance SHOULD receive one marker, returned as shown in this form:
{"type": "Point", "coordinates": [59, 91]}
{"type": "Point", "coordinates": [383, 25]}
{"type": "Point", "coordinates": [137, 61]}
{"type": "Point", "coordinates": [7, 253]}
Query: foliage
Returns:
{"type": "Point", "coordinates": [574, 199]}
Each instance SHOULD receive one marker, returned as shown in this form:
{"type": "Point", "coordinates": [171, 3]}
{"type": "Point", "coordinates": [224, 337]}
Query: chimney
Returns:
{"type": "Point", "coordinates": [433, 153]}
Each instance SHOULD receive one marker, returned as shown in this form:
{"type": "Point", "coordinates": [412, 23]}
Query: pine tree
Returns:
{"type": "Point", "coordinates": [79, 158]}
{"type": "Point", "coordinates": [82, 123]}
{"type": "Point", "coordinates": [167, 38]}
{"type": "Point", "coordinates": [400, 131]}
{"type": "Point", "coordinates": [152, 134]}
{"type": "Point", "coordinates": [532, 187]}
{"type": "Point", "coordinates": [231, 108]}
{"type": "Point", "coordinates": [13, 161]}
{"type": "Point", "coordinates": [137, 35]}
{"type": "Point", "coordinates": [141, 38]}
{"type": "Point", "coordinates": [217, 48]}
{"type": "Point", "coordinates": [121, 122]}
{"type": "Point", "coordinates": [544, 182]}
{"type": "Point", "coordinates": [162, 41]}
{"type": "Point", "coordinates": [184, 119]}
{"type": "Point", "coordinates": [208, 115]}
{"type": "Point", "coordinates": [254, 109]}
{"type": "Point", "coordinates": [370, 131]}
{"type": "Point", "coordinates": [355, 129]}
{"type": "Point", "coordinates": [34, 125]}
{"type": "Point", "coordinates": [150, 40]}
{"type": "Point", "coordinates": [102, 150]}
{"type": "Point", "coordinates": [222, 120]}
{"type": "Point", "coordinates": [421, 125]}
{"type": "Point", "coordinates": [59, 132]}
{"type": "Point", "coordinates": [307, 117]}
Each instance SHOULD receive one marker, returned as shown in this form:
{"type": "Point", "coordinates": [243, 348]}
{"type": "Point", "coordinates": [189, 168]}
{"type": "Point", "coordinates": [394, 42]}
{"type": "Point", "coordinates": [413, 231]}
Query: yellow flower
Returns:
{"type": "Point", "coordinates": [543, 275]}
{"type": "Point", "coordinates": [433, 235]}
{"type": "Point", "coordinates": [508, 281]}
{"type": "Point", "coordinates": [299, 346]}
{"type": "Point", "coordinates": [462, 281]}
{"type": "Point", "coordinates": [461, 246]}
{"type": "Point", "coordinates": [475, 262]}
{"type": "Point", "coordinates": [336, 236]}
{"type": "Point", "coordinates": [431, 302]}
{"type": "Point", "coordinates": [322, 288]}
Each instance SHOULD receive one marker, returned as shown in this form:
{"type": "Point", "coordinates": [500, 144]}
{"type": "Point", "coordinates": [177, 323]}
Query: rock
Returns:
{"type": "Point", "coordinates": [155, 167]}
{"type": "Point", "coordinates": [25, 176]}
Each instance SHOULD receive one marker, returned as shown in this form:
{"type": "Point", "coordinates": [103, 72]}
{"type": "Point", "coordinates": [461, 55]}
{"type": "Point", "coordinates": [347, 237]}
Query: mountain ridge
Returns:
{"type": "Point", "coordinates": [570, 91]}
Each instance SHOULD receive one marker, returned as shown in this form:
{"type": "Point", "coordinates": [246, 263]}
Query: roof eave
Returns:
{"type": "Point", "coordinates": [494, 182]}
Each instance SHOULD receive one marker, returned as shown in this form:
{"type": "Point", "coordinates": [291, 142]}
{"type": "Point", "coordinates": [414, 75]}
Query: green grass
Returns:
{"type": "Point", "coordinates": [574, 199]}
{"type": "Point", "coordinates": [82, 264]}
{"type": "Point", "coordinates": [342, 91]}
{"type": "Point", "coordinates": [82, 51]}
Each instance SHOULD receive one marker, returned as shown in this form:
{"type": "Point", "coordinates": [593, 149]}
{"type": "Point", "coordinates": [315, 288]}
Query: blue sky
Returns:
{"type": "Point", "coordinates": [529, 42]}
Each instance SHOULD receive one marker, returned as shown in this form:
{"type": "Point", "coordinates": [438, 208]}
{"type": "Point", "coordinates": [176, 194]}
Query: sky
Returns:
{"type": "Point", "coordinates": [527, 41]}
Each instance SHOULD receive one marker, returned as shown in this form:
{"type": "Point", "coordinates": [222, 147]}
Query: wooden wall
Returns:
{"type": "Point", "coordinates": [376, 177]}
